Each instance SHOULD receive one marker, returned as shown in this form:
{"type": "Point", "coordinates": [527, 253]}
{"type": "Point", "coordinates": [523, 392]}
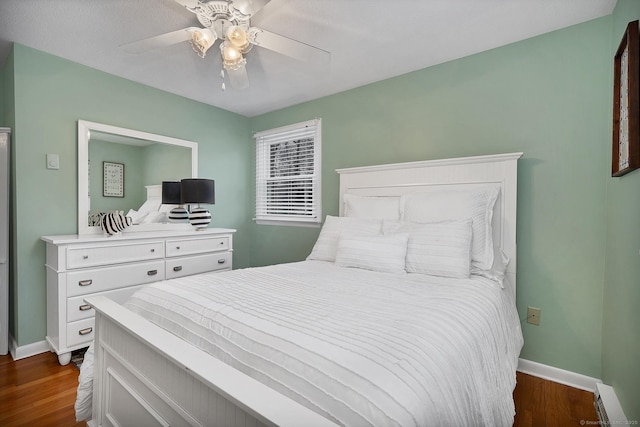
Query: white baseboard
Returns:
{"type": "Point", "coordinates": [572, 379]}
{"type": "Point", "coordinates": [28, 350]}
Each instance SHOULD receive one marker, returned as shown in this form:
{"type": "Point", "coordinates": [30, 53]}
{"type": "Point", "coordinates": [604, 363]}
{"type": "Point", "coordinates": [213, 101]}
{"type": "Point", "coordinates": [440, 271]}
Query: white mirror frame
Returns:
{"type": "Point", "coordinates": [84, 134]}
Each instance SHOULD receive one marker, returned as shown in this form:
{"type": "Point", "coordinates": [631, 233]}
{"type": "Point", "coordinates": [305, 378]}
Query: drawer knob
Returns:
{"type": "Point", "coordinates": [152, 272]}
{"type": "Point", "coordinates": [177, 268]}
{"type": "Point", "coordinates": [85, 256]}
{"type": "Point", "coordinates": [153, 250]}
{"type": "Point", "coordinates": [85, 331]}
{"type": "Point", "coordinates": [85, 282]}
{"type": "Point", "coordinates": [178, 247]}
{"type": "Point", "coordinates": [222, 261]}
{"type": "Point", "coordinates": [222, 243]}
{"type": "Point", "coordinates": [85, 307]}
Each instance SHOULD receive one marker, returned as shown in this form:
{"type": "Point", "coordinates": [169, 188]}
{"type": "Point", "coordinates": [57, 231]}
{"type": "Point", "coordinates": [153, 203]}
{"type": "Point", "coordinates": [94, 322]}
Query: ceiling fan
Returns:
{"type": "Point", "coordinates": [229, 22]}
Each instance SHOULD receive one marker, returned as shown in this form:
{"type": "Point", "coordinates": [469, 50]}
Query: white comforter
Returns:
{"type": "Point", "coordinates": [361, 348]}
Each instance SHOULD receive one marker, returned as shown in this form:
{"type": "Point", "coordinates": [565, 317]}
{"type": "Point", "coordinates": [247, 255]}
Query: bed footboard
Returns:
{"type": "Point", "coordinates": [147, 376]}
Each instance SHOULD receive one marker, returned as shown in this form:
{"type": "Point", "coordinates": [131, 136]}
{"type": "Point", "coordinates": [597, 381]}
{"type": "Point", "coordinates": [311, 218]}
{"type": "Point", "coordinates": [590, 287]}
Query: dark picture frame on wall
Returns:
{"type": "Point", "coordinates": [113, 179]}
{"type": "Point", "coordinates": [626, 104]}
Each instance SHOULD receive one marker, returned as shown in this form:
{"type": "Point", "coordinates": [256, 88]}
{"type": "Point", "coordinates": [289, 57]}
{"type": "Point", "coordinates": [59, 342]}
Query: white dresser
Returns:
{"type": "Point", "coordinates": [79, 266]}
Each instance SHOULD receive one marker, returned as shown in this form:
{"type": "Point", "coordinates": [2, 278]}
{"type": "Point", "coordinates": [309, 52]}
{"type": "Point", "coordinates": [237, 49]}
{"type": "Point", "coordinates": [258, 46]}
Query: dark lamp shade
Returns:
{"type": "Point", "coordinates": [197, 190]}
{"type": "Point", "coordinates": [171, 193]}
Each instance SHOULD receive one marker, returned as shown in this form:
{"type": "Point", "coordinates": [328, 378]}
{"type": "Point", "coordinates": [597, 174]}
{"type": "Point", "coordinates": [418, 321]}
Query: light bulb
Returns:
{"type": "Point", "coordinates": [230, 53]}
{"type": "Point", "coordinates": [231, 57]}
{"type": "Point", "coordinates": [237, 37]}
{"type": "Point", "coordinates": [201, 40]}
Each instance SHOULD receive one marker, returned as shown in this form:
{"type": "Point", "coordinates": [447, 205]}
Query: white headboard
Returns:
{"type": "Point", "coordinates": [464, 172]}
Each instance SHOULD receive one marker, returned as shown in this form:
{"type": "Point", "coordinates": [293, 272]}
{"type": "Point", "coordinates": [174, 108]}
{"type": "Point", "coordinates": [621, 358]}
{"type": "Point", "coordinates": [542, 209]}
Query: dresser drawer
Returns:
{"type": "Point", "coordinates": [91, 256]}
{"type": "Point", "coordinates": [104, 279]}
{"type": "Point", "coordinates": [77, 309]}
{"type": "Point", "coordinates": [80, 332]}
{"type": "Point", "coordinates": [179, 267]}
{"type": "Point", "coordinates": [180, 247]}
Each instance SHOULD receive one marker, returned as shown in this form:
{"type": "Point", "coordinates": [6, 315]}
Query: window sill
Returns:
{"type": "Point", "coordinates": [288, 223]}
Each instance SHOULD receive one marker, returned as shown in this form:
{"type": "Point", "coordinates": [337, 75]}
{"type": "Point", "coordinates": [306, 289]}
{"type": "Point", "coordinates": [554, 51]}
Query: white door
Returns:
{"type": "Point", "coordinates": [4, 240]}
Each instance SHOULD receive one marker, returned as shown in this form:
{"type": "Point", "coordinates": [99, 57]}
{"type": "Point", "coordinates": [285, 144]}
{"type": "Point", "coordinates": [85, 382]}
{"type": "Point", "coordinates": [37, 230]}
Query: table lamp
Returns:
{"type": "Point", "coordinates": [197, 191]}
{"type": "Point", "coordinates": [171, 196]}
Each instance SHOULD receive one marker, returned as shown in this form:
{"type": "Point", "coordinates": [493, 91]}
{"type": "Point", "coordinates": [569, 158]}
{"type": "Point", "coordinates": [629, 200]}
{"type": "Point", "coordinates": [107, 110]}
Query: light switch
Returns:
{"type": "Point", "coordinates": [53, 161]}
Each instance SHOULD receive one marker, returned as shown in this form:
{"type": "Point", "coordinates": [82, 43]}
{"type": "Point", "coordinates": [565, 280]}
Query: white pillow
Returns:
{"type": "Point", "coordinates": [136, 217]}
{"type": "Point", "coordinates": [497, 270]}
{"type": "Point", "coordinates": [438, 248]}
{"type": "Point", "coordinates": [440, 205]}
{"type": "Point", "coordinates": [327, 244]}
{"type": "Point", "coordinates": [371, 207]}
{"type": "Point", "coordinates": [385, 253]}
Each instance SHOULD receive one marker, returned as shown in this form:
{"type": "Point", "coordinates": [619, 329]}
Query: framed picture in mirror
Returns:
{"type": "Point", "coordinates": [626, 104]}
{"type": "Point", "coordinates": [113, 179]}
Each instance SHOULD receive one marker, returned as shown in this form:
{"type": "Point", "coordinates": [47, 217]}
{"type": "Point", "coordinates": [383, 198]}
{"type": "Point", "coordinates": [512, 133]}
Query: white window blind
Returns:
{"type": "Point", "coordinates": [288, 173]}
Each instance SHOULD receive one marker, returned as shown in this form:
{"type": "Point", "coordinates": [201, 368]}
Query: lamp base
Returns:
{"type": "Point", "coordinates": [178, 215]}
{"type": "Point", "coordinates": [200, 218]}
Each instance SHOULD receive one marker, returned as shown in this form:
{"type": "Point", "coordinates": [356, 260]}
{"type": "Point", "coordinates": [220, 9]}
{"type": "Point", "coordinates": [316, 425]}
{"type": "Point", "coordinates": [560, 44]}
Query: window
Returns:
{"type": "Point", "coordinates": [288, 174]}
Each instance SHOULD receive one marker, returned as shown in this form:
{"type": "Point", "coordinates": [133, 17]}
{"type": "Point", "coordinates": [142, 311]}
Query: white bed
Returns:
{"type": "Point", "coordinates": [332, 342]}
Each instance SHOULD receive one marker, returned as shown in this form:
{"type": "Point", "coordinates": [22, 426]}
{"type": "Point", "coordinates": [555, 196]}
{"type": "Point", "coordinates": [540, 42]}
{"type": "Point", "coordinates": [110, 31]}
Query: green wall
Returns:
{"type": "Point", "coordinates": [143, 166]}
{"type": "Point", "coordinates": [165, 163]}
{"type": "Point", "coordinates": [52, 94]}
{"type": "Point", "coordinates": [132, 157]}
{"type": "Point", "coordinates": [621, 323]}
{"type": "Point", "coordinates": [548, 97]}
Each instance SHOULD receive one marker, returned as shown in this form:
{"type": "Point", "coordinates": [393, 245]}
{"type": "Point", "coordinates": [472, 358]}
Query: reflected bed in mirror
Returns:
{"type": "Point", "coordinates": [147, 159]}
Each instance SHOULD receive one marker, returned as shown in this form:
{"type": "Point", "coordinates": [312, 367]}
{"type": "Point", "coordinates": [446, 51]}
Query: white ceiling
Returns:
{"type": "Point", "coordinates": [369, 41]}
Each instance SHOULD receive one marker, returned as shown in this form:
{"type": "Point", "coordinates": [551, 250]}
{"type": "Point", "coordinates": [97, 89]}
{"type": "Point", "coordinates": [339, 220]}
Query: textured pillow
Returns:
{"type": "Point", "coordinates": [497, 270]}
{"type": "Point", "coordinates": [438, 249]}
{"type": "Point", "coordinates": [371, 207]}
{"type": "Point", "coordinates": [385, 253]}
{"type": "Point", "coordinates": [440, 205]}
{"type": "Point", "coordinates": [327, 243]}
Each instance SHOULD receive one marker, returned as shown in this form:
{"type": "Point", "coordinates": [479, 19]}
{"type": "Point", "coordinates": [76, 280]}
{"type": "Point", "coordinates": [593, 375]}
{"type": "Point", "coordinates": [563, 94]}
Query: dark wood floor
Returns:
{"type": "Point", "coordinates": [545, 403]}
{"type": "Point", "coordinates": [37, 391]}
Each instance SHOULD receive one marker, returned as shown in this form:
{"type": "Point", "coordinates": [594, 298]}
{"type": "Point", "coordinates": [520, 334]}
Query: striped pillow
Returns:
{"type": "Point", "coordinates": [441, 205]}
{"type": "Point", "coordinates": [385, 253]}
{"type": "Point", "coordinates": [327, 243]}
{"type": "Point", "coordinates": [114, 222]}
{"type": "Point", "coordinates": [437, 249]}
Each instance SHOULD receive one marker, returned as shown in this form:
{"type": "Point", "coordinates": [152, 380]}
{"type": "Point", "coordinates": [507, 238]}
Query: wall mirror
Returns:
{"type": "Point", "coordinates": [123, 169]}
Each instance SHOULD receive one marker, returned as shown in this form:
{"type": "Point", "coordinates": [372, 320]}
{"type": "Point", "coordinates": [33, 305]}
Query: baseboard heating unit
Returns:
{"type": "Point", "coordinates": [608, 407]}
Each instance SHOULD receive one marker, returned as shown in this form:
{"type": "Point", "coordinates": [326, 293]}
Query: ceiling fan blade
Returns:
{"type": "Point", "coordinates": [162, 40]}
{"type": "Point", "coordinates": [238, 78]}
{"type": "Point", "coordinates": [289, 47]}
{"type": "Point", "coordinates": [248, 7]}
{"type": "Point", "coordinates": [190, 4]}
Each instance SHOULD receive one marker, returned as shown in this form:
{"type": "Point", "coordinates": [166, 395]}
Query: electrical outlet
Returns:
{"type": "Point", "coordinates": [533, 315]}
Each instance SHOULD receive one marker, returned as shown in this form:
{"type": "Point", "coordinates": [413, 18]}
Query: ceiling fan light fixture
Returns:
{"type": "Point", "coordinates": [240, 10]}
{"type": "Point", "coordinates": [237, 37]}
{"type": "Point", "coordinates": [201, 40]}
{"type": "Point", "coordinates": [232, 58]}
